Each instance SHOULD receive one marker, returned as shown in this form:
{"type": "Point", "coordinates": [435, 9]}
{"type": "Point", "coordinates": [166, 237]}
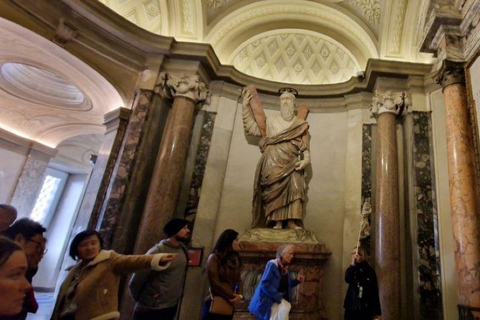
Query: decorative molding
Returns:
{"type": "Point", "coordinates": [296, 57]}
{"type": "Point", "coordinates": [65, 32]}
{"type": "Point", "coordinates": [188, 86]}
{"type": "Point", "coordinates": [41, 86]}
{"type": "Point", "coordinates": [188, 20]}
{"type": "Point", "coordinates": [390, 102]}
{"type": "Point", "coordinates": [218, 37]}
{"type": "Point", "coordinates": [146, 14]}
{"type": "Point", "coordinates": [369, 8]}
{"type": "Point", "coordinates": [395, 43]}
{"type": "Point", "coordinates": [216, 4]}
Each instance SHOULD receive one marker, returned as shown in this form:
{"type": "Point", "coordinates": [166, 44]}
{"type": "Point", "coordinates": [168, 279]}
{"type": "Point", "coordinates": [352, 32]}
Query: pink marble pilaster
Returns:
{"type": "Point", "coordinates": [464, 200]}
{"type": "Point", "coordinates": [167, 176]}
{"type": "Point", "coordinates": [387, 228]}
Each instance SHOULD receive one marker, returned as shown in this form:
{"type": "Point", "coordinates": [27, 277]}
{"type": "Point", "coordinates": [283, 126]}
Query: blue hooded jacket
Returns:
{"type": "Point", "coordinates": [266, 293]}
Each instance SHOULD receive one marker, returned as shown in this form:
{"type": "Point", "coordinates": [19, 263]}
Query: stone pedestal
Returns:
{"type": "Point", "coordinates": [257, 246]}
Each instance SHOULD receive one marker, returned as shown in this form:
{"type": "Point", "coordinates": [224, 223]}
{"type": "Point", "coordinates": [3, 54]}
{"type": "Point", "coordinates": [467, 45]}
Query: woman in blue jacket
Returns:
{"type": "Point", "coordinates": [276, 284]}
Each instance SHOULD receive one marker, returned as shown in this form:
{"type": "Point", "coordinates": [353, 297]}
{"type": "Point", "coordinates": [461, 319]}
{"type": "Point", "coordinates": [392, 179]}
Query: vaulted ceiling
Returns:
{"type": "Point", "coordinates": [48, 95]}
{"type": "Point", "coordinates": [291, 41]}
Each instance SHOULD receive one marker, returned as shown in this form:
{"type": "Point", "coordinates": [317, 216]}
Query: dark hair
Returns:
{"type": "Point", "coordinates": [7, 248]}
{"type": "Point", "coordinates": [28, 228]}
{"type": "Point", "coordinates": [223, 246]}
{"type": "Point", "coordinates": [73, 252]}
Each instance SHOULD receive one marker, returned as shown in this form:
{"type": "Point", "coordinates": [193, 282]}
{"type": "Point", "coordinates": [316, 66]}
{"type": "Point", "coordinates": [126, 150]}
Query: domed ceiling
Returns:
{"type": "Point", "coordinates": [47, 95]}
{"type": "Point", "coordinates": [290, 41]}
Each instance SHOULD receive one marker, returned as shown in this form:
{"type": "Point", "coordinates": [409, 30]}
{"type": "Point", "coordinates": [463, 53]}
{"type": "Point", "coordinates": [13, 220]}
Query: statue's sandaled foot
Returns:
{"type": "Point", "coordinates": [293, 225]}
{"type": "Point", "coordinates": [278, 225]}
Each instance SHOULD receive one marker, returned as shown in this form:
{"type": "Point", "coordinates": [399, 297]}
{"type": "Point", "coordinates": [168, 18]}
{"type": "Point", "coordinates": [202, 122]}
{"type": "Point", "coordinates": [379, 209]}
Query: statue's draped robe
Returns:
{"type": "Point", "coordinates": [279, 190]}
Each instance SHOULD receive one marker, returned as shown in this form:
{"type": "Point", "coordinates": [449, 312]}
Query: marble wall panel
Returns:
{"type": "Point", "coordinates": [200, 165]}
{"type": "Point", "coordinates": [367, 174]}
{"type": "Point", "coordinates": [122, 172]}
{"type": "Point", "coordinates": [428, 265]}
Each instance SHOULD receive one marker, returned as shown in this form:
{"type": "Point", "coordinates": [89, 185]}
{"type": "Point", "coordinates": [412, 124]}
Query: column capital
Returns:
{"type": "Point", "coordinates": [188, 86]}
{"type": "Point", "coordinates": [450, 73]}
{"type": "Point", "coordinates": [397, 103]}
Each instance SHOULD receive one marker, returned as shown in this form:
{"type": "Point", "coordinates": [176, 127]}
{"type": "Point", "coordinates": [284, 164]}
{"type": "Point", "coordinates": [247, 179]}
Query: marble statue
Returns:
{"type": "Point", "coordinates": [280, 186]}
{"type": "Point", "coordinates": [365, 224]}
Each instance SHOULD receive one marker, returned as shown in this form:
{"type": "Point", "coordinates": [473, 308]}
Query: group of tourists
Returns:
{"type": "Point", "coordinates": [91, 288]}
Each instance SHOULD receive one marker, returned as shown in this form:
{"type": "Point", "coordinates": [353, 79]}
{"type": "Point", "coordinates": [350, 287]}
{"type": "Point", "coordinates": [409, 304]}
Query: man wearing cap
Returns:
{"type": "Point", "coordinates": [157, 293]}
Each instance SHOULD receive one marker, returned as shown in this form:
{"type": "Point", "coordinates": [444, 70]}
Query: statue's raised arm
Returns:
{"type": "Point", "coordinates": [254, 118]}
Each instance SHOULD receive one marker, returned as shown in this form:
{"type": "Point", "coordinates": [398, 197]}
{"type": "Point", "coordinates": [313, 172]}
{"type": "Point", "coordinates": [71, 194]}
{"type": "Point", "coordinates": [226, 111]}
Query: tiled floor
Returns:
{"type": "Point", "coordinates": [46, 302]}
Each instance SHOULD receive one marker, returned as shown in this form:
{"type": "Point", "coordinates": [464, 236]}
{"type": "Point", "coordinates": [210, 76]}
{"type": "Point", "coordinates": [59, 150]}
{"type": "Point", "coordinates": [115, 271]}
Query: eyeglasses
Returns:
{"type": "Point", "coordinates": [39, 247]}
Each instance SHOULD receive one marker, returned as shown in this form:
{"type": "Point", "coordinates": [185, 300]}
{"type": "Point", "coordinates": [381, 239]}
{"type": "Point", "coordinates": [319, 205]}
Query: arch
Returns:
{"type": "Point", "coordinates": [237, 27]}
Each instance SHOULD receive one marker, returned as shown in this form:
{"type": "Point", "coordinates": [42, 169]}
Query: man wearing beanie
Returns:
{"type": "Point", "coordinates": [157, 293]}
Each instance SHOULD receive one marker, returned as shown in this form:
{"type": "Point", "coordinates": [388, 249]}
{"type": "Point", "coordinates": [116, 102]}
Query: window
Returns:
{"type": "Point", "coordinates": [48, 197]}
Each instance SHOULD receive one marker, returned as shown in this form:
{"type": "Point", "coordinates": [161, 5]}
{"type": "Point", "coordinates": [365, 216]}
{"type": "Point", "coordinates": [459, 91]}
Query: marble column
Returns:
{"type": "Point", "coordinates": [463, 188]}
{"type": "Point", "coordinates": [187, 93]}
{"type": "Point", "coordinates": [386, 106]}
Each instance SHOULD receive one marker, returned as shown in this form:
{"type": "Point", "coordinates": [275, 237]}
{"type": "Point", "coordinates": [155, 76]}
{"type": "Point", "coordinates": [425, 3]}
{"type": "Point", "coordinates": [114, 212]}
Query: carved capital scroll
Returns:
{"type": "Point", "coordinates": [390, 102]}
{"type": "Point", "coordinates": [188, 86]}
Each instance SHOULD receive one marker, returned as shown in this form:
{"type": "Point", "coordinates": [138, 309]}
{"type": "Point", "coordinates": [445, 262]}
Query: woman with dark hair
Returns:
{"type": "Point", "coordinates": [90, 290]}
{"type": "Point", "coordinates": [223, 270]}
{"type": "Point", "coordinates": [13, 284]}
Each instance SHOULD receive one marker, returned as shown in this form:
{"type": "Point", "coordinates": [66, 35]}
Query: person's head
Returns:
{"type": "Point", "coordinates": [8, 214]}
{"type": "Point", "coordinates": [287, 105]}
{"type": "Point", "coordinates": [29, 235]}
{"type": "Point", "coordinates": [86, 245]}
{"type": "Point", "coordinates": [285, 253]}
{"type": "Point", "coordinates": [359, 254]}
{"type": "Point", "coordinates": [179, 229]}
{"type": "Point", "coordinates": [226, 242]}
{"type": "Point", "coordinates": [13, 284]}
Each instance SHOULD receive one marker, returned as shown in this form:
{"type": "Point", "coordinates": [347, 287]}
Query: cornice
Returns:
{"type": "Point", "coordinates": [110, 35]}
{"type": "Point", "coordinates": [438, 17]}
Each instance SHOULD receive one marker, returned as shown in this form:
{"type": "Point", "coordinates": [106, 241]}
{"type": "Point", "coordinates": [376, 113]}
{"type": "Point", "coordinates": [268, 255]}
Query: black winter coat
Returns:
{"type": "Point", "coordinates": [362, 293]}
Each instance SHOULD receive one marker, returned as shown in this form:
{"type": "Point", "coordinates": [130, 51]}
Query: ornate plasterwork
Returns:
{"type": "Point", "coordinates": [259, 14]}
{"type": "Point", "coordinates": [370, 9]}
{"type": "Point", "coordinates": [397, 22]}
{"type": "Point", "coordinates": [295, 57]}
{"type": "Point", "coordinates": [188, 17]}
{"type": "Point", "coordinates": [55, 71]}
{"type": "Point", "coordinates": [390, 102]}
{"type": "Point", "coordinates": [215, 4]}
{"type": "Point", "coordinates": [41, 86]}
{"type": "Point", "coordinates": [147, 14]}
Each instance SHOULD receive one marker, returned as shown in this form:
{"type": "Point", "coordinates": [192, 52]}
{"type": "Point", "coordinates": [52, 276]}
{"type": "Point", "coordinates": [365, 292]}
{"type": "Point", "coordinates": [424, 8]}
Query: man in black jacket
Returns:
{"type": "Point", "coordinates": [362, 301]}
{"type": "Point", "coordinates": [158, 293]}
